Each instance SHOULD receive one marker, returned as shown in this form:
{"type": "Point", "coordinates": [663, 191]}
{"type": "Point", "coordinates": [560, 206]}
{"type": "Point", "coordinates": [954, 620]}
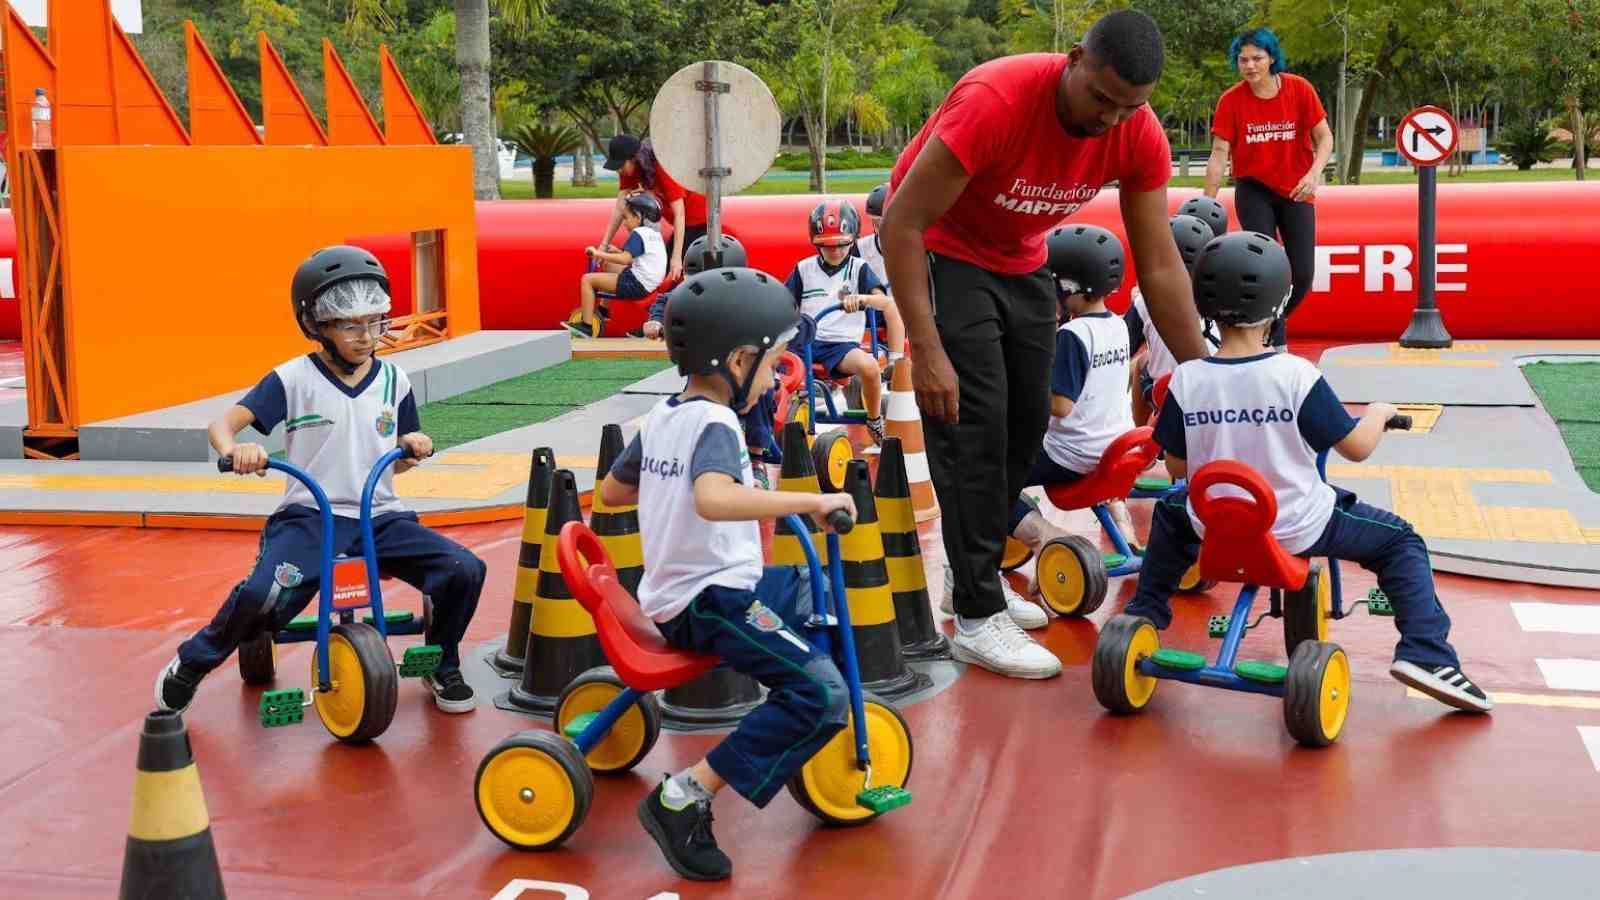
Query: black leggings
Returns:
{"type": "Point", "coordinates": [1295, 225]}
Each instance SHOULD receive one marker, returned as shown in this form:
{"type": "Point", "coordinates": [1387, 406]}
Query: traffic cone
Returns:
{"type": "Point", "coordinates": [904, 421]}
{"type": "Point", "coordinates": [169, 851]}
{"type": "Point", "coordinates": [508, 659]}
{"type": "Point", "coordinates": [562, 643]}
{"type": "Point", "coordinates": [908, 581]}
{"type": "Point", "coordinates": [866, 586]}
{"type": "Point", "coordinates": [798, 473]}
{"type": "Point", "coordinates": [617, 527]}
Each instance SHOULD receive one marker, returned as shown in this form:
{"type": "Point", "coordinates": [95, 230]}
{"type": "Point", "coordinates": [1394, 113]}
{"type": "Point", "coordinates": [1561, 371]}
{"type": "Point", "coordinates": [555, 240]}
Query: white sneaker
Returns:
{"type": "Point", "coordinates": [1026, 614]}
{"type": "Point", "coordinates": [1001, 647]}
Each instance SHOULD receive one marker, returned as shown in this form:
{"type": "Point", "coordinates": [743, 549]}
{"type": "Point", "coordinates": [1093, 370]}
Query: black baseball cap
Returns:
{"type": "Point", "coordinates": [623, 148]}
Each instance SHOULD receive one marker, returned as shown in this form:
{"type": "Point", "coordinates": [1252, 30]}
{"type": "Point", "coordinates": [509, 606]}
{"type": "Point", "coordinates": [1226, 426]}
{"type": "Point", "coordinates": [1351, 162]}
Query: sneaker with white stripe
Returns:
{"type": "Point", "coordinates": [1023, 612]}
{"type": "Point", "coordinates": [1446, 684]}
{"type": "Point", "coordinates": [1001, 647]}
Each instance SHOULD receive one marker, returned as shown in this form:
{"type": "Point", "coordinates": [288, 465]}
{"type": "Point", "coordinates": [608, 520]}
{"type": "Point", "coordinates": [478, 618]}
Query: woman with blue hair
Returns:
{"type": "Point", "coordinates": [1274, 128]}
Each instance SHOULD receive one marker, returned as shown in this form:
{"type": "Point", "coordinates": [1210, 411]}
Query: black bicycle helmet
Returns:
{"type": "Point", "coordinates": [876, 198]}
{"type": "Point", "coordinates": [646, 206]}
{"type": "Point", "coordinates": [1208, 210]}
{"type": "Point", "coordinates": [1088, 256]}
{"type": "Point", "coordinates": [1241, 279]}
{"type": "Point", "coordinates": [1191, 235]}
{"type": "Point", "coordinates": [733, 255]}
{"type": "Point", "coordinates": [713, 314]}
{"type": "Point", "coordinates": [324, 269]}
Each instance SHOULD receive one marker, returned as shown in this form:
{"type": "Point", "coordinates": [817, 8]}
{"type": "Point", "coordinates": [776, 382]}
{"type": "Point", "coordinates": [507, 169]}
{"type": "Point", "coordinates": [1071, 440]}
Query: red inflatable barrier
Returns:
{"type": "Point", "coordinates": [1505, 250]}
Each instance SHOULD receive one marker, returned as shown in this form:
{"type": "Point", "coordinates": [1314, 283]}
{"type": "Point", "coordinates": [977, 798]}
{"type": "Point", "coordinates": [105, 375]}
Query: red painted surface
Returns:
{"type": "Point", "coordinates": [1525, 244]}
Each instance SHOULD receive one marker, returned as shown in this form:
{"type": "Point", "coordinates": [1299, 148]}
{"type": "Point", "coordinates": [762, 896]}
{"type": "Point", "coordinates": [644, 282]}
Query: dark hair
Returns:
{"type": "Point", "coordinates": [1266, 40]}
{"type": "Point", "coordinates": [646, 158]}
{"type": "Point", "coordinates": [1130, 42]}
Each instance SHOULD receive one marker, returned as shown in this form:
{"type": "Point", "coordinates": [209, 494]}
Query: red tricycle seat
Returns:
{"type": "Point", "coordinates": [1238, 544]}
{"type": "Point", "coordinates": [1158, 396]}
{"type": "Point", "coordinates": [1121, 464]}
{"type": "Point", "coordinates": [632, 644]}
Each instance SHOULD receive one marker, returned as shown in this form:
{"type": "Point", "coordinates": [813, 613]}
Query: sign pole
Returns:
{"type": "Point", "coordinates": [712, 86]}
{"type": "Point", "coordinates": [1420, 139]}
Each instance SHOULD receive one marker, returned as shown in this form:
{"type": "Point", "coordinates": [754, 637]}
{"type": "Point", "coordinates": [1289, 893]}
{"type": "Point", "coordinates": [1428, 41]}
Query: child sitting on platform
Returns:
{"type": "Point", "coordinates": [704, 584]}
{"type": "Point", "coordinates": [1276, 413]}
{"type": "Point", "coordinates": [630, 273]}
{"type": "Point", "coordinates": [834, 277]}
{"type": "Point", "coordinates": [344, 409]}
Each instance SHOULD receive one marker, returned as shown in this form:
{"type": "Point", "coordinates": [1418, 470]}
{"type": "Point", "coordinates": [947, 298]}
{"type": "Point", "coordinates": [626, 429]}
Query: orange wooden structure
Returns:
{"type": "Point", "coordinates": [118, 319]}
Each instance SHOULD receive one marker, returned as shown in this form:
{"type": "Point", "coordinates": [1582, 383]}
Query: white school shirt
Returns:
{"type": "Point", "coordinates": [649, 255]}
{"type": "Point", "coordinates": [1091, 370]}
{"type": "Point", "coordinates": [819, 290]}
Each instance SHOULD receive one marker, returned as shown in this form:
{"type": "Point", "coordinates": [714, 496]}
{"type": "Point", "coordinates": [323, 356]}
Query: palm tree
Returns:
{"type": "Point", "coordinates": [545, 142]}
{"type": "Point", "coordinates": [472, 58]}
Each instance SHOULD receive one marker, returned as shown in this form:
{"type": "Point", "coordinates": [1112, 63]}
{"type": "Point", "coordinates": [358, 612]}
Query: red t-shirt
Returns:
{"type": "Point", "coordinates": [668, 190]}
{"type": "Point", "coordinates": [1027, 173]}
{"type": "Point", "coordinates": [1270, 140]}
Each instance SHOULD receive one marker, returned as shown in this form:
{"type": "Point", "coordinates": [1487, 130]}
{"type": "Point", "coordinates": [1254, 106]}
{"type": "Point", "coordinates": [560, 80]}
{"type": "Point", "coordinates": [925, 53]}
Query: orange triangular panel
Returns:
{"type": "Point", "coordinates": [84, 111]}
{"type": "Point", "coordinates": [349, 122]}
{"type": "Point", "coordinates": [403, 120]}
{"type": "Point", "coordinates": [28, 65]}
{"type": "Point", "coordinates": [284, 110]}
{"type": "Point", "coordinates": [215, 114]}
{"type": "Point", "coordinates": [143, 114]}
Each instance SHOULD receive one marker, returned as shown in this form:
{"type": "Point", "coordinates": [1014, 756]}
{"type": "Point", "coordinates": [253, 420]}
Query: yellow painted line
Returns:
{"type": "Point", "coordinates": [155, 484]}
{"type": "Point", "coordinates": [1438, 502]}
{"type": "Point", "coordinates": [1438, 475]}
{"type": "Point", "coordinates": [1423, 416]}
{"type": "Point", "coordinates": [1591, 535]}
{"type": "Point", "coordinates": [1454, 348]}
{"type": "Point", "coordinates": [1563, 701]}
{"type": "Point", "coordinates": [1409, 361]}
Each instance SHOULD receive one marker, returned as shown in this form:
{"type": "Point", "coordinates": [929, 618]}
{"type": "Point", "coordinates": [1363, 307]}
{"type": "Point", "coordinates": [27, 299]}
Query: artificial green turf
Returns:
{"type": "Point", "coordinates": [529, 399]}
{"type": "Point", "coordinates": [1570, 393]}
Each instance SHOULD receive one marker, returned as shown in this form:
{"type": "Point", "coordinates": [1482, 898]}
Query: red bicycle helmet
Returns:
{"type": "Point", "coordinates": [834, 223]}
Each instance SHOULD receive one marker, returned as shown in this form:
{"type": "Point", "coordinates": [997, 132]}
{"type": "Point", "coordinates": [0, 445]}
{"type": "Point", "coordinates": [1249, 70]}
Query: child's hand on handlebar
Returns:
{"type": "Point", "coordinates": [249, 459]}
{"type": "Point", "coordinates": [652, 330]}
{"type": "Point", "coordinates": [827, 503]}
{"type": "Point", "coordinates": [419, 445]}
{"type": "Point", "coordinates": [1381, 411]}
{"type": "Point", "coordinates": [851, 302]}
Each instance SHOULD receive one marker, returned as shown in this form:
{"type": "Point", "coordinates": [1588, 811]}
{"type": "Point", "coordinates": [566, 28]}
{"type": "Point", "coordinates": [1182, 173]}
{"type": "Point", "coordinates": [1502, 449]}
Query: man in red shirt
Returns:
{"type": "Point", "coordinates": [635, 163]}
{"type": "Point", "coordinates": [1019, 144]}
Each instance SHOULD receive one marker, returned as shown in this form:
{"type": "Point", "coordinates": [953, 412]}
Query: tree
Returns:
{"type": "Point", "coordinates": [908, 83]}
{"type": "Point", "coordinates": [1561, 40]}
{"type": "Point", "coordinates": [543, 143]}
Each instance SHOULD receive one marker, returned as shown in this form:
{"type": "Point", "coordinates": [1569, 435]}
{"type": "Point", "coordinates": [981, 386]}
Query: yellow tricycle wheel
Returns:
{"type": "Point", "coordinates": [1316, 693]}
{"type": "Point", "coordinates": [1306, 611]}
{"type": "Point", "coordinates": [831, 454]}
{"type": "Point", "coordinates": [828, 785]}
{"type": "Point", "coordinates": [365, 684]}
{"type": "Point", "coordinates": [533, 790]}
{"type": "Point", "coordinates": [1071, 576]}
{"type": "Point", "coordinates": [1015, 555]}
{"type": "Point", "coordinates": [1118, 683]}
{"type": "Point", "coordinates": [1192, 583]}
{"type": "Point", "coordinates": [633, 735]}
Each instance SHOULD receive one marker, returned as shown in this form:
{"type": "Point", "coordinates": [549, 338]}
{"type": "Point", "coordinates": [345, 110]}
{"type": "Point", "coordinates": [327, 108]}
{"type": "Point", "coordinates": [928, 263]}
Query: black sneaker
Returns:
{"type": "Point", "coordinates": [580, 329]}
{"type": "Point", "coordinates": [684, 836]}
{"type": "Point", "coordinates": [175, 686]}
{"type": "Point", "coordinates": [1446, 684]}
{"type": "Point", "coordinates": [451, 692]}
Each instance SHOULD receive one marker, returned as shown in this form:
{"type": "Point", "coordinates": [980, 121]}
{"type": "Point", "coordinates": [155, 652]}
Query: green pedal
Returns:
{"type": "Point", "coordinates": [399, 617]}
{"type": "Point", "coordinates": [420, 661]}
{"type": "Point", "coordinates": [578, 724]}
{"type": "Point", "coordinates": [1112, 560]}
{"type": "Point", "coordinates": [1151, 484]}
{"type": "Point", "coordinates": [1378, 604]}
{"type": "Point", "coordinates": [285, 707]}
{"type": "Point", "coordinates": [1217, 626]}
{"type": "Point", "coordinates": [884, 798]}
{"type": "Point", "coordinates": [1264, 672]}
{"type": "Point", "coordinates": [1178, 659]}
{"type": "Point", "coordinates": [304, 623]}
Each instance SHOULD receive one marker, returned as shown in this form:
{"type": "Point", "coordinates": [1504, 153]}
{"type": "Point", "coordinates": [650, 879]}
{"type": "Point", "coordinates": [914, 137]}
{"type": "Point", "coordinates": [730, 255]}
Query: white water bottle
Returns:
{"type": "Point", "coordinates": [42, 139]}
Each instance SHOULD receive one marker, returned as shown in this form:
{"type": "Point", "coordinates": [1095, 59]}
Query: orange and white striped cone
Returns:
{"type": "Point", "coordinates": [904, 421]}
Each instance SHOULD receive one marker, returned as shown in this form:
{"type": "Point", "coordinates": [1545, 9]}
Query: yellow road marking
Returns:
{"type": "Point", "coordinates": [1438, 502]}
{"type": "Point", "coordinates": [1416, 361]}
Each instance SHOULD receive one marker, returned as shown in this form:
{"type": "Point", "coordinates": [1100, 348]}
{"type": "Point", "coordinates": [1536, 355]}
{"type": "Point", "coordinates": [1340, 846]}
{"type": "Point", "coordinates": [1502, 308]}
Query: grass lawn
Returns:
{"type": "Point", "coordinates": [529, 399]}
{"type": "Point", "coordinates": [1567, 391]}
{"type": "Point", "coordinates": [859, 182]}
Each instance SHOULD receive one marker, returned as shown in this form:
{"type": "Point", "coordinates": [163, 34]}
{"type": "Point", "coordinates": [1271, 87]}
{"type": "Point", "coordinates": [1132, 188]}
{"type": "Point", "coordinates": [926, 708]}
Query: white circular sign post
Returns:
{"type": "Point", "coordinates": [1427, 136]}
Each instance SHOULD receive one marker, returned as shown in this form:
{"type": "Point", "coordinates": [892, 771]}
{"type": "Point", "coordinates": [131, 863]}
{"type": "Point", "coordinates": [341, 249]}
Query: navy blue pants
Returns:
{"type": "Point", "coordinates": [1377, 540]}
{"type": "Point", "coordinates": [289, 564]}
{"type": "Point", "coordinates": [1045, 471]}
{"type": "Point", "coordinates": [760, 634]}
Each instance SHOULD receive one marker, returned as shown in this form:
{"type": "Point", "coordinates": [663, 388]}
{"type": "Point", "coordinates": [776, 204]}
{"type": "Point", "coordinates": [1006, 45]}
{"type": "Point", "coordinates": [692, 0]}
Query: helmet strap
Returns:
{"type": "Point", "coordinates": [339, 362]}
{"type": "Point", "coordinates": [741, 390]}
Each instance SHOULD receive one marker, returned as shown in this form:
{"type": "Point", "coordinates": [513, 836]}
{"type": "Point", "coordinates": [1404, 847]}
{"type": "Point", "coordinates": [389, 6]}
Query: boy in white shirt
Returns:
{"type": "Point", "coordinates": [835, 277]}
{"type": "Point", "coordinates": [704, 585]}
{"type": "Point", "coordinates": [343, 409]}
{"type": "Point", "coordinates": [630, 273]}
{"type": "Point", "coordinates": [1191, 234]}
{"type": "Point", "coordinates": [1276, 413]}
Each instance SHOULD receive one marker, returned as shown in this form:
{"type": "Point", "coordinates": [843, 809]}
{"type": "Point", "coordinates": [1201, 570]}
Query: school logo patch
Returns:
{"type": "Point", "coordinates": [287, 575]}
{"type": "Point", "coordinates": [762, 619]}
{"type": "Point", "coordinates": [385, 423]}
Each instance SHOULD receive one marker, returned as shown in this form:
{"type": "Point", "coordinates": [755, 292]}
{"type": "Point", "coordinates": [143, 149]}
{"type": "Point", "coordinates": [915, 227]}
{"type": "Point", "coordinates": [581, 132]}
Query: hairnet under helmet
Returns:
{"type": "Point", "coordinates": [312, 290]}
{"type": "Point", "coordinates": [1086, 257]}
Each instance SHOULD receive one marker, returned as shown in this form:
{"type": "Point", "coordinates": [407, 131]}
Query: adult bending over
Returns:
{"type": "Point", "coordinates": [1019, 144]}
{"type": "Point", "coordinates": [1273, 126]}
{"type": "Point", "coordinates": [635, 163]}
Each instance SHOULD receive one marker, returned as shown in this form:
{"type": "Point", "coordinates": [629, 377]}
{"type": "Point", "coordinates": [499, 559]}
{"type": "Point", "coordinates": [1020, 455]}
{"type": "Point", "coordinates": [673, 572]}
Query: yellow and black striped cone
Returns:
{"type": "Point", "coordinates": [508, 659]}
{"type": "Point", "coordinates": [798, 473]}
{"type": "Point", "coordinates": [908, 580]}
{"type": "Point", "coordinates": [170, 852]}
{"type": "Point", "coordinates": [617, 527]}
{"type": "Point", "coordinates": [562, 643]}
{"type": "Point", "coordinates": [866, 585]}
